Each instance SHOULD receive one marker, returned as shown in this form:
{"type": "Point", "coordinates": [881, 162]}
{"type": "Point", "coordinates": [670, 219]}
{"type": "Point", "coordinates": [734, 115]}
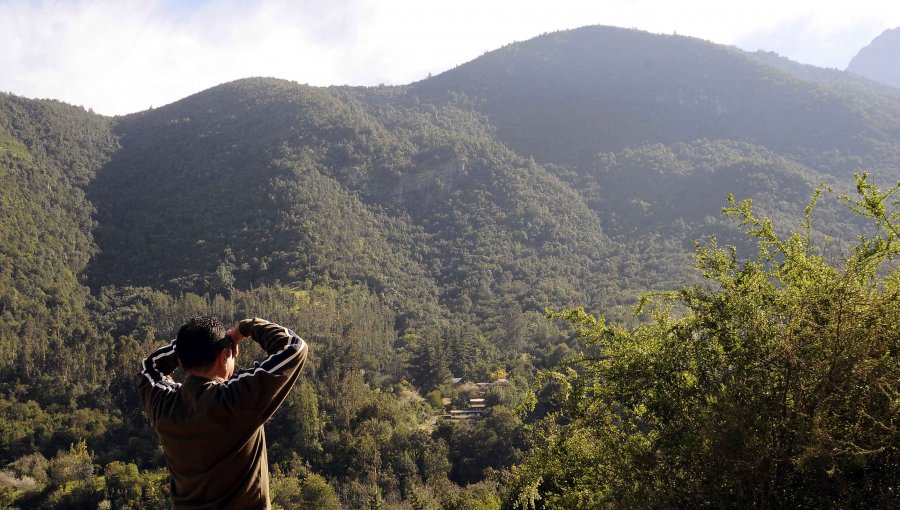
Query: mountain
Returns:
{"type": "Point", "coordinates": [265, 180]}
{"type": "Point", "coordinates": [565, 96]}
{"type": "Point", "coordinates": [880, 60]}
{"type": "Point", "coordinates": [575, 168]}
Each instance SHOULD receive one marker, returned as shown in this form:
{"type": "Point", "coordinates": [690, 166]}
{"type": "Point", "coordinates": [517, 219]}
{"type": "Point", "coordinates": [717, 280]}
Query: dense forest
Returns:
{"type": "Point", "coordinates": [658, 261]}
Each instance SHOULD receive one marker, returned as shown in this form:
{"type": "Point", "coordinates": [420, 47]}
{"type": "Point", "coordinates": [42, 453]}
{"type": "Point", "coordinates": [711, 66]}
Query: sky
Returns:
{"type": "Point", "coordinates": [123, 56]}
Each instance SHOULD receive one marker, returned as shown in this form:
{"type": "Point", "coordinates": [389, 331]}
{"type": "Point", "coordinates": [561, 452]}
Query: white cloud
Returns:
{"type": "Point", "coordinates": [124, 56]}
{"type": "Point", "coordinates": [824, 37]}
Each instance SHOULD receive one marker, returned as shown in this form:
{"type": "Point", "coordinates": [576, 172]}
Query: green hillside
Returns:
{"type": "Point", "coordinates": [241, 195]}
{"type": "Point", "coordinates": [338, 186]}
{"type": "Point", "coordinates": [567, 95]}
{"type": "Point", "coordinates": [49, 151]}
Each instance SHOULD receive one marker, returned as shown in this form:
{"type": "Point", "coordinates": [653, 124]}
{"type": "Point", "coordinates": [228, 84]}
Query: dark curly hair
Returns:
{"type": "Point", "coordinates": [199, 342]}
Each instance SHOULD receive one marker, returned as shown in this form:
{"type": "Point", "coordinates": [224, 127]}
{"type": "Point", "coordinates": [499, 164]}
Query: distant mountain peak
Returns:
{"type": "Point", "coordinates": [880, 60]}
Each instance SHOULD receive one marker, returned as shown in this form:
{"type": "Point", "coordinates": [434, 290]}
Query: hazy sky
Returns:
{"type": "Point", "coordinates": [123, 56]}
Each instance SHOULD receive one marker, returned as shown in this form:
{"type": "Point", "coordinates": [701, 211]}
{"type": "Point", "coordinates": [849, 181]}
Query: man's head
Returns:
{"type": "Point", "coordinates": [201, 343]}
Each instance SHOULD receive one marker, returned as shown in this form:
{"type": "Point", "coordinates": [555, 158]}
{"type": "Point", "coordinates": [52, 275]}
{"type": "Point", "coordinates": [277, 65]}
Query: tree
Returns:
{"type": "Point", "coordinates": [376, 501]}
{"type": "Point", "coordinates": [296, 426]}
{"type": "Point", "coordinates": [123, 485]}
{"type": "Point", "coordinates": [72, 465]}
{"type": "Point", "coordinates": [774, 385]}
{"type": "Point", "coordinates": [430, 363]}
{"type": "Point", "coordinates": [318, 494]}
{"type": "Point", "coordinates": [463, 346]}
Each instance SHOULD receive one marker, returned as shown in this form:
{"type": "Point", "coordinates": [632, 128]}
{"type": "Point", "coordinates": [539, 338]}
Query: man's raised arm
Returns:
{"type": "Point", "coordinates": [155, 377]}
{"type": "Point", "coordinates": [264, 386]}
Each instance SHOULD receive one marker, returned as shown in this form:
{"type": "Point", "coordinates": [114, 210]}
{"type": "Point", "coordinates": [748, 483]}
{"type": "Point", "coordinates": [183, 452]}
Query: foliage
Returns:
{"type": "Point", "coordinates": [493, 443]}
{"type": "Point", "coordinates": [302, 491]}
{"type": "Point", "coordinates": [774, 385]}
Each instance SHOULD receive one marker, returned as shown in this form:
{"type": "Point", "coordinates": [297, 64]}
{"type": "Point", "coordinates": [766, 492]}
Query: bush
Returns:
{"type": "Point", "coordinates": [775, 385]}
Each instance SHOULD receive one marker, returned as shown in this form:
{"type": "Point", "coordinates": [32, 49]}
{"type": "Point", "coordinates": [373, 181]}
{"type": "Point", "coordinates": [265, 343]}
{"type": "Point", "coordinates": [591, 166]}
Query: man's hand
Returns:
{"type": "Point", "coordinates": [236, 338]}
{"type": "Point", "coordinates": [235, 334]}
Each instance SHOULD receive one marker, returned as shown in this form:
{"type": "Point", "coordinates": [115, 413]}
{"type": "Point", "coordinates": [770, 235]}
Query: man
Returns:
{"type": "Point", "coordinates": [211, 427]}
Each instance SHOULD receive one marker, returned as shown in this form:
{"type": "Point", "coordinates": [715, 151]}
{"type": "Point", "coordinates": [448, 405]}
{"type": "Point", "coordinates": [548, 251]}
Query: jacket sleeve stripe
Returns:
{"type": "Point", "coordinates": [277, 360]}
{"type": "Point", "coordinates": [152, 373]}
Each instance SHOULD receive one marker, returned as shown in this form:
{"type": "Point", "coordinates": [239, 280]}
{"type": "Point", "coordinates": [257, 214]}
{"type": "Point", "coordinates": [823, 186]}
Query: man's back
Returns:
{"type": "Point", "coordinates": [211, 429]}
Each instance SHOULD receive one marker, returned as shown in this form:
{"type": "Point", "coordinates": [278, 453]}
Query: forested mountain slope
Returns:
{"type": "Point", "coordinates": [265, 180]}
{"type": "Point", "coordinates": [49, 151]}
{"type": "Point", "coordinates": [340, 185]}
{"type": "Point", "coordinates": [229, 188]}
{"type": "Point", "coordinates": [567, 95]}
